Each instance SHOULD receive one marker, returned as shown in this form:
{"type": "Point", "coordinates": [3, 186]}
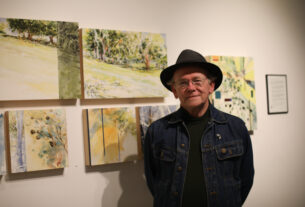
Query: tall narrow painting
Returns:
{"type": "Point", "coordinates": [39, 60]}
{"type": "Point", "coordinates": [37, 140]}
{"type": "Point", "coordinates": [111, 136]}
{"type": "Point", "coordinates": [2, 146]}
{"type": "Point", "coordinates": [236, 95]}
{"type": "Point", "coordinates": [122, 64]}
{"type": "Point", "coordinates": [149, 114]}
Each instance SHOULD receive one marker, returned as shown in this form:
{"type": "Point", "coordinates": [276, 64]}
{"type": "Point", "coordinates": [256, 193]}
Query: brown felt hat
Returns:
{"type": "Point", "coordinates": [191, 58]}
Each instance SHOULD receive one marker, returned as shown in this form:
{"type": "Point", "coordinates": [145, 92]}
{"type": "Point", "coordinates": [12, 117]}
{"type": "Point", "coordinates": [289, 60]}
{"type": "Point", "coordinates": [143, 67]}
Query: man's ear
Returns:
{"type": "Point", "coordinates": [212, 87]}
{"type": "Point", "coordinates": [174, 91]}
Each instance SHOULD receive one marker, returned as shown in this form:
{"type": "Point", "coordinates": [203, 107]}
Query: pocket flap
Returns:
{"type": "Point", "coordinates": [164, 154]}
{"type": "Point", "coordinates": [229, 150]}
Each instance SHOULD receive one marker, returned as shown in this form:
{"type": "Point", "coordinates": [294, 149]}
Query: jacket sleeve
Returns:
{"type": "Point", "coordinates": [148, 161]}
{"type": "Point", "coordinates": [247, 167]}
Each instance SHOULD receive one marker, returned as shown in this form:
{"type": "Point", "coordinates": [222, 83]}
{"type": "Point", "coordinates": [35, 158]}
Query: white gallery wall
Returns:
{"type": "Point", "coordinates": [270, 31]}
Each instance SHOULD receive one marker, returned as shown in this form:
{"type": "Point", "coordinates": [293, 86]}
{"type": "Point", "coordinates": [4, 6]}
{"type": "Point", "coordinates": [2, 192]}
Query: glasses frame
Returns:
{"type": "Point", "coordinates": [197, 82]}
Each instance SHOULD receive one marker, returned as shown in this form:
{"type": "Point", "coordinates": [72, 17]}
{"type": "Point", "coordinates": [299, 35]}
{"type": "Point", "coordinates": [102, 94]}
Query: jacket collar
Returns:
{"type": "Point", "coordinates": [216, 115]}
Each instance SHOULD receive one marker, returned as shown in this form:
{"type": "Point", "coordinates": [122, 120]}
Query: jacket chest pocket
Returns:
{"type": "Point", "coordinates": [164, 158]}
{"type": "Point", "coordinates": [229, 150]}
{"type": "Point", "coordinates": [229, 158]}
{"type": "Point", "coordinates": [164, 153]}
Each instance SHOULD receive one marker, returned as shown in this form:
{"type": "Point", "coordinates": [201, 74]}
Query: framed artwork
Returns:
{"type": "Point", "coordinates": [110, 135]}
{"type": "Point", "coordinates": [37, 140]}
{"type": "Point", "coordinates": [277, 94]}
{"type": "Point", "coordinates": [122, 64]}
{"type": "Point", "coordinates": [236, 94]}
{"type": "Point", "coordinates": [149, 114]}
{"type": "Point", "coordinates": [2, 146]}
{"type": "Point", "coordinates": [39, 60]}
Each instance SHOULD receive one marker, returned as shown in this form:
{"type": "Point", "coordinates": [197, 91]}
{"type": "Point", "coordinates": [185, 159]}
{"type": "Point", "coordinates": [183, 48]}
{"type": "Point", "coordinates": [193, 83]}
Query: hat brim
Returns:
{"type": "Point", "coordinates": [213, 70]}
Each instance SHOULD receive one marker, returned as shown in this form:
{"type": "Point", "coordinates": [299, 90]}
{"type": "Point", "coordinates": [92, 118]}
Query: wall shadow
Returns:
{"type": "Point", "coordinates": [133, 183]}
{"type": "Point", "coordinates": [129, 177]}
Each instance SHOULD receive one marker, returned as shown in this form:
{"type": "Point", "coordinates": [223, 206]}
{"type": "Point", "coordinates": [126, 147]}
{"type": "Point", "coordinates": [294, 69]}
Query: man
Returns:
{"type": "Point", "coordinates": [198, 155]}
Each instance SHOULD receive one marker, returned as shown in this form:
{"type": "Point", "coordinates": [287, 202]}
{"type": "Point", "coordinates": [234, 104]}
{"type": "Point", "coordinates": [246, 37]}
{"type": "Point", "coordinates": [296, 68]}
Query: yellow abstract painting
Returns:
{"type": "Point", "coordinates": [236, 94]}
{"type": "Point", "coordinates": [111, 135]}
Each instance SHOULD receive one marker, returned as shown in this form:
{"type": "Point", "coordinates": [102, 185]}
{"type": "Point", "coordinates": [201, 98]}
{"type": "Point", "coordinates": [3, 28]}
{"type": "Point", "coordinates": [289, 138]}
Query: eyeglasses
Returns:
{"type": "Point", "coordinates": [183, 84]}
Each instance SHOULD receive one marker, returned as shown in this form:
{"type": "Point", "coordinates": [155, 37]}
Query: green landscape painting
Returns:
{"type": "Point", "coordinates": [39, 60]}
{"type": "Point", "coordinates": [122, 64]}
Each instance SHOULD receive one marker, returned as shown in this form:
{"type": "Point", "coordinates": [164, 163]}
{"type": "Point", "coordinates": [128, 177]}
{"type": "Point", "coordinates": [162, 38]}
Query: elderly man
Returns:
{"type": "Point", "coordinates": [198, 155]}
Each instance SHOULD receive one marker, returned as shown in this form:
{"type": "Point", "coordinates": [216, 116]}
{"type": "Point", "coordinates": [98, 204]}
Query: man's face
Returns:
{"type": "Point", "coordinates": [192, 87]}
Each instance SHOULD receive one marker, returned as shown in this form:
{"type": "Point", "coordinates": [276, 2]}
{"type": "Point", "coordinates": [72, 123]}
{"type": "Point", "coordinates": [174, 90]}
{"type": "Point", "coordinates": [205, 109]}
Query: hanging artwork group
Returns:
{"type": "Point", "coordinates": [43, 60]}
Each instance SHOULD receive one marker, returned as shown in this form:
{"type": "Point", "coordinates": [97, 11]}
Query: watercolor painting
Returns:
{"type": "Point", "coordinates": [112, 135]}
{"type": "Point", "coordinates": [122, 64]}
{"type": "Point", "coordinates": [2, 146]}
{"type": "Point", "coordinates": [38, 140]}
{"type": "Point", "coordinates": [149, 114]}
{"type": "Point", "coordinates": [39, 60]}
{"type": "Point", "coordinates": [236, 94]}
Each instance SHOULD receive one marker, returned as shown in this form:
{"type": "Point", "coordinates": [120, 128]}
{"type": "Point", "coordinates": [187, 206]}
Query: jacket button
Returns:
{"type": "Point", "coordinates": [223, 150]}
{"type": "Point", "coordinates": [180, 168]}
{"type": "Point", "coordinates": [162, 154]}
{"type": "Point", "coordinates": [182, 145]}
{"type": "Point", "coordinates": [175, 193]}
{"type": "Point", "coordinates": [213, 193]}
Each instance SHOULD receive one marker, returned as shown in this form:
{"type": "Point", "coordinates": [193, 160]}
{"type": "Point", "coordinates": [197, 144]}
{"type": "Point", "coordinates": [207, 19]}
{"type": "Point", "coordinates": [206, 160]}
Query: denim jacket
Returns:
{"type": "Point", "coordinates": [226, 155]}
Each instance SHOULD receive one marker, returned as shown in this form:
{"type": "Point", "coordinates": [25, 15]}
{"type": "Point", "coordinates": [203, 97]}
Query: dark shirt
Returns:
{"type": "Point", "coordinates": [194, 191]}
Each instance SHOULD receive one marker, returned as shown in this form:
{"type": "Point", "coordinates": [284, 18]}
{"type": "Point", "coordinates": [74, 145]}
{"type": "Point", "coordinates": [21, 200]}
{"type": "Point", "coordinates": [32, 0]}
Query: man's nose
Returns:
{"type": "Point", "coordinates": [191, 86]}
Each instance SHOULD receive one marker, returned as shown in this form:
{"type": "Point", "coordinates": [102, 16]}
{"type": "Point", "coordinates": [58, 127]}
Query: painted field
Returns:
{"type": "Point", "coordinates": [28, 70]}
{"type": "Point", "coordinates": [104, 80]}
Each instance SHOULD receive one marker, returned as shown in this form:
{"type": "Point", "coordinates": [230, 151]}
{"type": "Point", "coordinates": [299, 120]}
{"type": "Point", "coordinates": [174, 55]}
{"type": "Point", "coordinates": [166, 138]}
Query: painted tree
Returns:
{"type": "Point", "coordinates": [18, 25]}
{"type": "Point", "coordinates": [50, 30]}
{"type": "Point", "coordinates": [126, 48]}
{"type": "Point", "coordinates": [152, 50]}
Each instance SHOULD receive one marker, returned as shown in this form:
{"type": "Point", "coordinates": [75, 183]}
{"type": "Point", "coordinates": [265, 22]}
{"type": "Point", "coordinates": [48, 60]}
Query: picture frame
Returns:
{"type": "Point", "coordinates": [277, 93]}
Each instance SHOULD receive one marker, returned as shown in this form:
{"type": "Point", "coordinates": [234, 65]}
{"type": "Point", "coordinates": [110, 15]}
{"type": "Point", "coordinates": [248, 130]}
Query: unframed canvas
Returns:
{"type": "Point", "coordinates": [122, 64]}
{"type": "Point", "coordinates": [236, 95]}
{"type": "Point", "coordinates": [111, 136]}
{"type": "Point", "coordinates": [39, 60]}
{"type": "Point", "coordinates": [37, 140]}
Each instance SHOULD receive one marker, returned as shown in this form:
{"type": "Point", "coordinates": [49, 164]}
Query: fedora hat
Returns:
{"type": "Point", "coordinates": [191, 58]}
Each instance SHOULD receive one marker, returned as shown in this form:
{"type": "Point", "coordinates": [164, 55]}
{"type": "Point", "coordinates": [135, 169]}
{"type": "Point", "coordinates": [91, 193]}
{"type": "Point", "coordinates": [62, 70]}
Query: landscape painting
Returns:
{"type": "Point", "coordinates": [122, 64]}
{"type": "Point", "coordinates": [39, 60]}
{"type": "Point", "coordinates": [38, 140]}
{"type": "Point", "coordinates": [149, 114]}
{"type": "Point", "coordinates": [111, 136]}
{"type": "Point", "coordinates": [236, 94]}
{"type": "Point", "coordinates": [2, 146]}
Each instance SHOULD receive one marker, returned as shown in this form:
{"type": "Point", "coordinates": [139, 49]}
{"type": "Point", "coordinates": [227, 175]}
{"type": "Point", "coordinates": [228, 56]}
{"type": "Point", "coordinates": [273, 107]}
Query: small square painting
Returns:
{"type": "Point", "coordinates": [112, 136]}
{"type": "Point", "coordinates": [38, 140]}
